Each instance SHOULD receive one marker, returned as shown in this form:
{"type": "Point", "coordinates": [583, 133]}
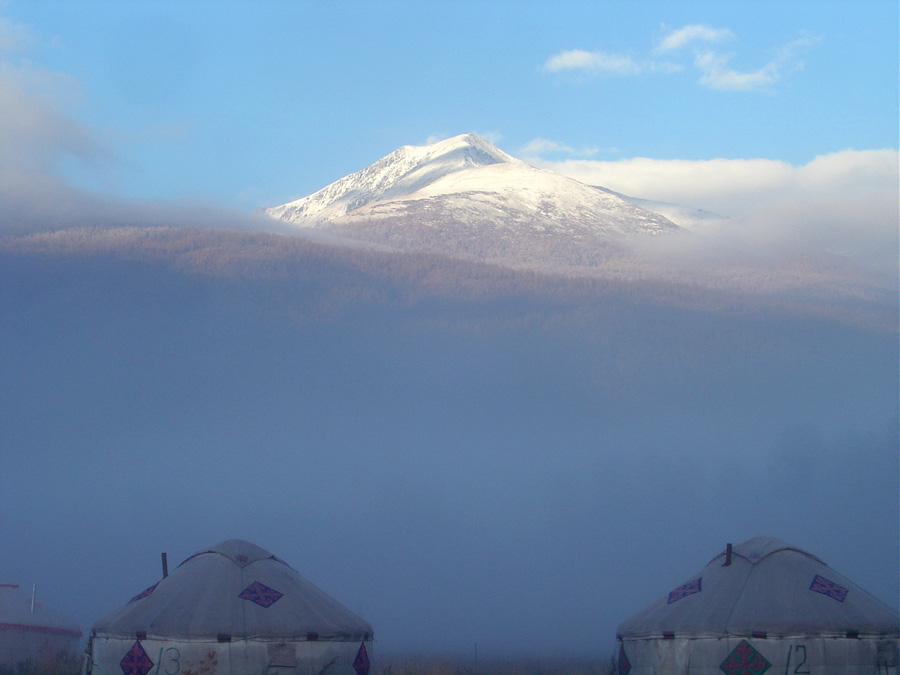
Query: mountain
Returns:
{"type": "Point", "coordinates": [464, 197]}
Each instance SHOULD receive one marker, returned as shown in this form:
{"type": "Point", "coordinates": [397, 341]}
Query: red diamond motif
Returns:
{"type": "Point", "coordinates": [261, 594]}
{"type": "Point", "coordinates": [361, 662]}
{"type": "Point", "coordinates": [745, 660]}
{"type": "Point", "coordinates": [136, 661]}
{"type": "Point", "coordinates": [685, 590]}
{"type": "Point", "coordinates": [829, 588]}
{"type": "Point", "coordinates": [144, 593]}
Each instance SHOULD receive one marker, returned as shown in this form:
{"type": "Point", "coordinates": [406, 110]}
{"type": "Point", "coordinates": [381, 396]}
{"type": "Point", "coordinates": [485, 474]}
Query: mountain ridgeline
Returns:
{"type": "Point", "coordinates": [463, 197]}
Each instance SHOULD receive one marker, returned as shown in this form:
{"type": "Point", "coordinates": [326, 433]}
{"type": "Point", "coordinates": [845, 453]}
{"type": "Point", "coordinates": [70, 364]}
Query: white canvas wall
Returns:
{"type": "Point", "coordinates": [794, 656]}
{"type": "Point", "coordinates": [238, 657]}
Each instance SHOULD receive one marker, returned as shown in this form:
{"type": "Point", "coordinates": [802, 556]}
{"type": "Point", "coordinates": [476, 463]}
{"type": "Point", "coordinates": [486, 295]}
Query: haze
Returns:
{"type": "Point", "coordinates": [462, 454]}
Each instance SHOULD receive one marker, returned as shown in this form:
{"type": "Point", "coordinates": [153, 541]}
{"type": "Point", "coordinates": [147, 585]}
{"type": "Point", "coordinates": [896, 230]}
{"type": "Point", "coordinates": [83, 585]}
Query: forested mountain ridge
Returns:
{"type": "Point", "coordinates": [325, 278]}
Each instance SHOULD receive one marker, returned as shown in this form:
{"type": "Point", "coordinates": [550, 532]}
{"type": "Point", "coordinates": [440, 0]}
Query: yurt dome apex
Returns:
{"type": "Point", "coordinates": [233, 607]}
{"type": "Point", "coordinates": [760, 603]}
{"type": "Point", "coordinates": [235, 589]}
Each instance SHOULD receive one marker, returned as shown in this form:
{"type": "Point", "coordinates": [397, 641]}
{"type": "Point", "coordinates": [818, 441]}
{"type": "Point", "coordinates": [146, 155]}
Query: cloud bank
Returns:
{"type": "Point", "coordinates": [844, 201]}
{"type": "Point", "coordinates": [40, 137]}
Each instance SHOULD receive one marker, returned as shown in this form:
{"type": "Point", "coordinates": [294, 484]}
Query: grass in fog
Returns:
{"type": "Point", "coordinates": [61, 664]}
{"type": "Point", "coordinates": [450, 666]}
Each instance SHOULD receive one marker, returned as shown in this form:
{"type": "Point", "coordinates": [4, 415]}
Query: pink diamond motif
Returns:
{"type": "Point", "coordinates": [361, 662]}
{"type": "Point", "coordinates": [144, 593]}
{"type": "Point", "coordinates": [685, 590]}
{"type": "Point", "coordinates": [744, 660]}
{"type": "Point", "coordinates": [829, 588]}
{"type": "Point", "coordinates": [136, 661]}
{"type": "Point", "coordinates": [261, 594]}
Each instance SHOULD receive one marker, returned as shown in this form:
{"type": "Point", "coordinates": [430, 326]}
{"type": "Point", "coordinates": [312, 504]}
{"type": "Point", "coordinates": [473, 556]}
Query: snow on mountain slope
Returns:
{"type": "Point", "coordinates": [460, 168]}
{"type": "Point", "coordinates": [515, 196]}
{"type": "Point", "coordinates": [394, 176]}
{"type": "Point", "coordinates": [465, 197]}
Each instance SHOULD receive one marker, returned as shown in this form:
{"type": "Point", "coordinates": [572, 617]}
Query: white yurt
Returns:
{"type": "Point", "coordinates": [232, 608]}
{"type": "Point", "coordinates": [763, 606]}
{"type": "Point", "coordinates": [32, 632]}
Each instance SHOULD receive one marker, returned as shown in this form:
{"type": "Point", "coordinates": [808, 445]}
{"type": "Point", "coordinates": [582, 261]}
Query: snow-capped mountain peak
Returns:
{"type": "Point", "coordinates": [464, 197]}
{"type": "Point", "coordinates": [399, 174]}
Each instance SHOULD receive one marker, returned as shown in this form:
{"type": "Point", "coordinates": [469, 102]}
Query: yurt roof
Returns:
{"type": "Point", "coordinates": [19, 611]}
{"type": "Point", "coordinates": [769, 588]}
{"type": "Point", "coordinates": [238, 589]}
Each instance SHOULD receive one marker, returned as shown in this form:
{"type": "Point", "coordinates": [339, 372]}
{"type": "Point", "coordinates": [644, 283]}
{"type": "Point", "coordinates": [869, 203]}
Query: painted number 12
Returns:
{"type": "Point", "coordinates": [799, 654]}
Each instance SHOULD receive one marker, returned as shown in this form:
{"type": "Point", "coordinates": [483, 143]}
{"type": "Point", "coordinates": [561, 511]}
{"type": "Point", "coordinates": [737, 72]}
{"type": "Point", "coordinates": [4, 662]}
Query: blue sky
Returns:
{"type": "Point", "coordinates": [243, 104]}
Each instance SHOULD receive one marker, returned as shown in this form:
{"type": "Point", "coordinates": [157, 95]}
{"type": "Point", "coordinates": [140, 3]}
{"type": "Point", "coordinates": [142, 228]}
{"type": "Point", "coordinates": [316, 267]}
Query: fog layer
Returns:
{"type": "Point", "coordinates": [460, 454]}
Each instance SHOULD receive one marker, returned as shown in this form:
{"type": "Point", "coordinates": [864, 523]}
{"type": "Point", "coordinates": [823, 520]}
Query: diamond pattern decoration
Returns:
{"type": "Point", "coordinates": [144, 593]}
{"type": "Point", "coordinates": [685, 590]}
{"type": "Point", "coordinates": [361, 662]}
{"type": "Point", "coordinates": [745, 660]}
{"type": "Point", "coordinates": [623, 665]}
{"type": "Point", "coordinates": [261, 594]}
{"type": "Point", "coordinates": [829, 588]}
{"type": "Point", "coordinates": [136, 661]}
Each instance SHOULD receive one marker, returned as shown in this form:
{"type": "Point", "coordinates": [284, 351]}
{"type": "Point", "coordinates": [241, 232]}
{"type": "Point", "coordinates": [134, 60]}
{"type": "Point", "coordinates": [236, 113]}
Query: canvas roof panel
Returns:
{"type": "Point", "coordinates": [770, 587]}
{"type": "Point", "coordinates": [239, 589]}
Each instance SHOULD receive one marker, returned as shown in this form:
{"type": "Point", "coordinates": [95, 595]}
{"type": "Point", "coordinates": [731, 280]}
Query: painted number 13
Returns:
{"type": "Point", "coordinates": [173, 665]}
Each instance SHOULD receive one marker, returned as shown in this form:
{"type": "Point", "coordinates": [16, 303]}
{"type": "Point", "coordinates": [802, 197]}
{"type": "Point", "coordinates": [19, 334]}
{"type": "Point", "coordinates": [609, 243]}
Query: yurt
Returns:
{"type": "Point", "coordinates": [763, 606]}
{"type": "Point", "coordinates": [32, 632]}
{"type": "Point", "coordinates": [232, 608]}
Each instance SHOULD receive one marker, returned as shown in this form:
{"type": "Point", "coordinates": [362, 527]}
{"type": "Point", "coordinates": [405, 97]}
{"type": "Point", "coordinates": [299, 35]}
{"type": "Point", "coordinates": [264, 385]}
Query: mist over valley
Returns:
{"type": "Point", "coordinates": [460, 452]}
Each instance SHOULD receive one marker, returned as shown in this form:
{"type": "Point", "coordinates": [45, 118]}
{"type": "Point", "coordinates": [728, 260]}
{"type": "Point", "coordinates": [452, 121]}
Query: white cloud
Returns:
{"type": "Point", "coordinates": [843, 201]}
{"type": "Point", "coordinates": [543, 146]}
{"type": "Point", "coordinates": [592, 62]}
{"type": "Point", "coordinates": [681, 181]}
{"type": "Point", "coordinates": [38, 137]}
{"type": "Point", "coordinates": [786, 53]}
{"type": "Point", "coordinates": [716, 74]}
{"type": "Point", "coordinates": [492, 136]}
{"type": "Point", "coordinates": [540, 147]}
{"type": "Point", "coordinates": [713, 66]}
{"type": "Point", "coordinates": [35, 132]}
{"type": "Point", "coordinates": [677, 39]}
